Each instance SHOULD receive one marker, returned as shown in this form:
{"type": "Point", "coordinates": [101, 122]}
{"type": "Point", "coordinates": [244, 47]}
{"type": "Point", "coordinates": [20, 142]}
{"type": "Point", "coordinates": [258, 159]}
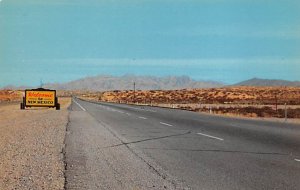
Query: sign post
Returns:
{"type": "Point", "coordinates": [40, 97]}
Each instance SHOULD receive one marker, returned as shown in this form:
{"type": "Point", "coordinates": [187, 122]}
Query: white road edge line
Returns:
{"type": "Point", "coordinates": [166, 124]}
{"type": "Point", "coordinates": [297, 160]}
{"type": "Point", "coordinates": [79, 105]}
{"type": "Point", "coordinates": [210, 136]}
{"type": "Point", "coordinates": [142, 117]}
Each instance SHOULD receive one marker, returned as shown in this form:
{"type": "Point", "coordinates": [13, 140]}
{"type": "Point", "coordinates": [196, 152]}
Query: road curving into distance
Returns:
{"type": "Point", "coordinates": [117, 146]}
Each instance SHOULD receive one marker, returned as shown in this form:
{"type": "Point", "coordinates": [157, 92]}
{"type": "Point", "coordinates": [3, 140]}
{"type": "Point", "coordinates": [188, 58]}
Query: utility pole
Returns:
{"type": "Point", "coordinates": [41, 83]}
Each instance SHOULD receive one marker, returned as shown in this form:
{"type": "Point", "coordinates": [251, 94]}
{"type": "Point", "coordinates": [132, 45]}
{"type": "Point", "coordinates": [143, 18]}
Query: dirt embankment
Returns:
{"type": "Point", "coordinates": [31, 144]}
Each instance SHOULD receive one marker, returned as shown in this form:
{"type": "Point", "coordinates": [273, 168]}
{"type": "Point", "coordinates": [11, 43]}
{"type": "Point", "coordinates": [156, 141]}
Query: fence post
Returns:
{"type": "Point", "coordinates": [285, 112]}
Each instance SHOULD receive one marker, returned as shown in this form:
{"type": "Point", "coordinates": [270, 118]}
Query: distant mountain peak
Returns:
{"type": "Point", "coordinates": [268, 82]}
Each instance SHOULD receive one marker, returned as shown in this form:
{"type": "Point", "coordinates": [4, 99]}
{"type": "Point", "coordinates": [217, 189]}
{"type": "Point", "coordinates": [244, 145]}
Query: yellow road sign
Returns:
{"type": "Point", "coordinates": [40, 98]}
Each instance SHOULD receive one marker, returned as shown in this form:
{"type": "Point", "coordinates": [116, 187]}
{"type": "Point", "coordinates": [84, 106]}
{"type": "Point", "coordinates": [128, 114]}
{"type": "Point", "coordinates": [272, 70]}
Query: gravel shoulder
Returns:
{"type": "Point", "coordinates": [31, 146]}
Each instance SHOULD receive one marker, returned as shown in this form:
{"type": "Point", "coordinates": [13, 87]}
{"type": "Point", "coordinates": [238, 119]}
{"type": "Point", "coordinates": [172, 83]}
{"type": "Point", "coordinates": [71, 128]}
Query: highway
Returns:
{"type": "Point", "coordinates": [181, 150]}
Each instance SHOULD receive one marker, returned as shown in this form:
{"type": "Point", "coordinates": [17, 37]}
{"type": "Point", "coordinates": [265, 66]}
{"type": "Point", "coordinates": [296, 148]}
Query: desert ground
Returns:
{"type": "Point", "coordinates": [31, 145]}
{"type": "Point", "coordinates": [32, 141]}
{"type": "Point", "coordinates": [254, 102]}
{"type": "Point", "coordinates": [237, 101]}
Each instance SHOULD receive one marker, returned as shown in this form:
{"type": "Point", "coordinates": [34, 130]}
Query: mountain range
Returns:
{"type": "Point", "coordinates": [126, 82]}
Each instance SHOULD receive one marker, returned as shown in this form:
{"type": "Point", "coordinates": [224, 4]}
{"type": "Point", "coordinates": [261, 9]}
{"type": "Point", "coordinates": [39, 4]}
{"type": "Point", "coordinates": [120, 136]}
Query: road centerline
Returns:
{"type": "Point", "coordinates": [142, 117]}
{"type": "Point", "coordinates": [166, 124]}
{"type": "Point", "coordinates": [206, 135]}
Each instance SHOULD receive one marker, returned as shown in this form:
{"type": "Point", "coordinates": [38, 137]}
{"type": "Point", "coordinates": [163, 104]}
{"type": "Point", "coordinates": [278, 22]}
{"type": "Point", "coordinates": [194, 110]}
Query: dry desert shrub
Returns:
{"type": "Point", "coordinates": [249, 111]}
{"type": "Point", "coordinates": [10, 95]}
{"type": "Point", "coordinates": [237, 95]}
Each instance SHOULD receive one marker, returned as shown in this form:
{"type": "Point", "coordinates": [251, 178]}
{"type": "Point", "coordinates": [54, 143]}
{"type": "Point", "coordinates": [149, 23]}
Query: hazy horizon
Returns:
{"type": "Point", "coordinates": [227, 41]}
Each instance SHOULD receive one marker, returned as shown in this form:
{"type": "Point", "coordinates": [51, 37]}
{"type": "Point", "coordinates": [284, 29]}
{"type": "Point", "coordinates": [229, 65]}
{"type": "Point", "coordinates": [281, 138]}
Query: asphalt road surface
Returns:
{"type": "Point", "coordinates": [158, 148]}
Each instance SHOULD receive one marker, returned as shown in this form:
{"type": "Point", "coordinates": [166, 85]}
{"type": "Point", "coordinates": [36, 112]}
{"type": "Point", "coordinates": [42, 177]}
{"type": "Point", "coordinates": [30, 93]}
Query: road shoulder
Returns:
{"type": "Point", "coordinates": [95, 162]}
{"type": "Point", "coordinates": [31, 146]}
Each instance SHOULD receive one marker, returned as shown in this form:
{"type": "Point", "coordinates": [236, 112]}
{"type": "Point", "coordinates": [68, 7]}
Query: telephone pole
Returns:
{"type": "Point", "coordinates": [41, 83]}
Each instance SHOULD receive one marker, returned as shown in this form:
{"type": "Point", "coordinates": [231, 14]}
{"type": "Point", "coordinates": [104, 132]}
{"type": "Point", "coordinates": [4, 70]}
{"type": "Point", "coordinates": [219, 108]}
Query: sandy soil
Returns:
{"type": "Point", "coordinates": [31, 147]}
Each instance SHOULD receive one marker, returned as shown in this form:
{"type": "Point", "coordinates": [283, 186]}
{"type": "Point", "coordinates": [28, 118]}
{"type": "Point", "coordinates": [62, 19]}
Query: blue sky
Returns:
{"type": "Point", "coordinates": [221, 40]}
